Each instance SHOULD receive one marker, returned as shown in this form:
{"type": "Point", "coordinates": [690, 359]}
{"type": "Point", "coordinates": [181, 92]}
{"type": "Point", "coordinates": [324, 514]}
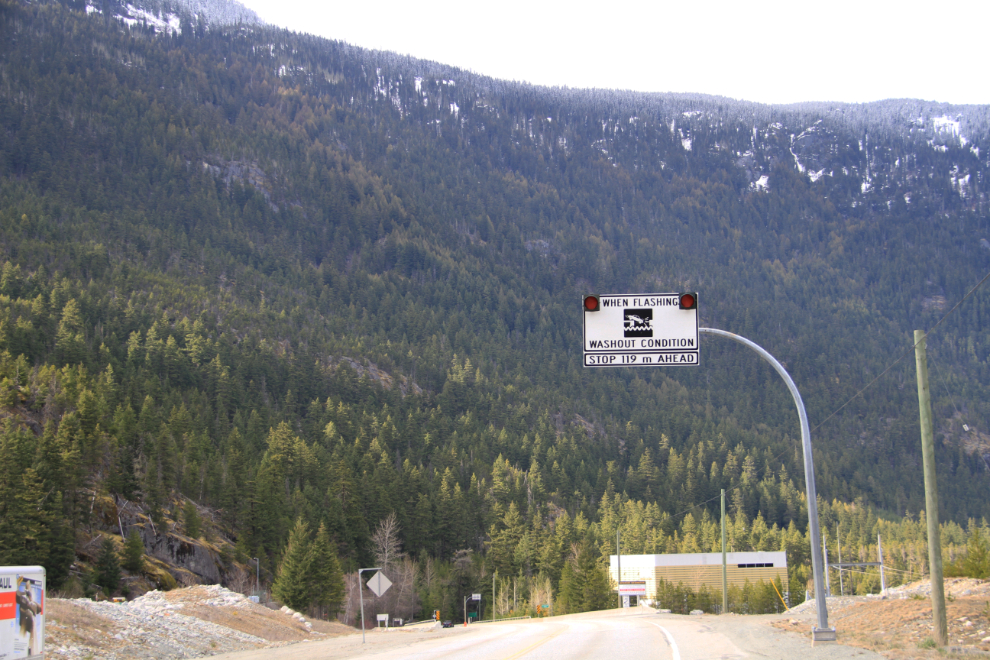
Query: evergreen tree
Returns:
{"type": "Point", "coordinates": [133, 552]}
{"type": "Point", "coordinates": [326, 578]}
{"type": "Point", "coordinates": [293, 583]}
{"type": "Point", "coordinates": [192, 519]}
{"type": "Point", "coordinates": [106, 571]}
{"type": "Point", "coordinates": [977, 561]}
{"type": "Point", "coordinates": [596, 593]}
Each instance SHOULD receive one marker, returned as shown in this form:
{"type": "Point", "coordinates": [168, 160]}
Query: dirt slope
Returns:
{"type": "Point", "coordinates": [183, 623]}
{"type": "Point", "coordinates": [898, 625]}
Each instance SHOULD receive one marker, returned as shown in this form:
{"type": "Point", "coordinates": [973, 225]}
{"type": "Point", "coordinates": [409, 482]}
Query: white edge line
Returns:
{"type": "Point", "coordinates": [670, 640]}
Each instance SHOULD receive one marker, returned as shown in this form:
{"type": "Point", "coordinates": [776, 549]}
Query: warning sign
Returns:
{"type": "Point", "coordinates": [641, 330]}
{"type": "Point", "coordinates": [638, 322]}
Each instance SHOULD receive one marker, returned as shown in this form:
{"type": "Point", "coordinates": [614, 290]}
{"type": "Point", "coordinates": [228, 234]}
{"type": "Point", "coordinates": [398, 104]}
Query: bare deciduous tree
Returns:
{"type": "Point", "coordinates": [540, 595]}
{"type": "Point", "coordinates": [388, 549]}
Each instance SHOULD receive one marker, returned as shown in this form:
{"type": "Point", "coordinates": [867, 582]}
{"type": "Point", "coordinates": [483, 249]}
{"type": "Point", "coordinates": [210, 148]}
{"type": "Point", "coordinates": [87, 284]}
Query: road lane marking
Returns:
{"type": "Point", "coordinates": [670, 640]}
{"type": "Point", "coordinates": [543, 641]}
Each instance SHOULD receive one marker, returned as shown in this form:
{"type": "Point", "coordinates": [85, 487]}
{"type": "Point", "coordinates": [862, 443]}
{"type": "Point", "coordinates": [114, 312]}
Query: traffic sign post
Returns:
{"type": "Point", "coordinates": [822, 632]}
{"type": "Point", "coordinates": [641, 330]}
{"type": "Point", "coordinates": [378, 583]}
{"type": "Point", "coordinates": [475, 597]}
{"type": "Point", "coordinates": [658, 329]}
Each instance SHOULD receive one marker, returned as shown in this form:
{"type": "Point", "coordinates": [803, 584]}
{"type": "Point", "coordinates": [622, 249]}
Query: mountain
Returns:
{"type": "Point", "coordinates": [168, 15]}
{"type": "Point", "coordinates": [291, 279]}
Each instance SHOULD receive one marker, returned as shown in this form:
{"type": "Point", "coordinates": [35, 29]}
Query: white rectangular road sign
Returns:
{"type": "Point", "coordinates": [641, 330]}
{"type": "Point", "coordinates": [632, 588]}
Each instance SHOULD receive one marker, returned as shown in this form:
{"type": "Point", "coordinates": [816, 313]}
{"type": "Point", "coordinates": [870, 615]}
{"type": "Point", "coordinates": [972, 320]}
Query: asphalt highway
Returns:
{"type": "Point", "coordinates": [630, 633]}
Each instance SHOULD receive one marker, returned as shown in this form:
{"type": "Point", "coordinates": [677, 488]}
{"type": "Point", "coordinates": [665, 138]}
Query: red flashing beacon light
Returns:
{"type": "Point", "coordinates": [687, 300]}
{"type": "Point", "coordinates": [591, 303]}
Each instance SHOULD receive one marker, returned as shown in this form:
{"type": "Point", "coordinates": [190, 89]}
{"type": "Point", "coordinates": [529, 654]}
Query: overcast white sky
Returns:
{"type": "Point", "coordinates": [772, 51]}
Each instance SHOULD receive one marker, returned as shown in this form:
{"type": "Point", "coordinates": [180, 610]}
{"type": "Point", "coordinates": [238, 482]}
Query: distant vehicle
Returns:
{"type": "Point", "coordinates": [448, 624]}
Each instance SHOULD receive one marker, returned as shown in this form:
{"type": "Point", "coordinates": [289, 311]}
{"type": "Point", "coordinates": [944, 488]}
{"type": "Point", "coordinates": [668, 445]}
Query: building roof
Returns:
{"type": "Point", "coordinates": [775, 559]}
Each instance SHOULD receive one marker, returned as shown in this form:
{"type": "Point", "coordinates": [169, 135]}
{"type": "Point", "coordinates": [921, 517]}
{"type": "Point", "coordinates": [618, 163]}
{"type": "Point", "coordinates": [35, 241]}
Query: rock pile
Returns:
{"type": "Point", "coordinates": [152, 626]}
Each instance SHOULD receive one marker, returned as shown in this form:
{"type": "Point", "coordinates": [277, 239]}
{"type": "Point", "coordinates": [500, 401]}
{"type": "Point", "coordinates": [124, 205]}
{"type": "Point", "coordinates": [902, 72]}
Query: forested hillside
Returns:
{"type": "Point", "coordinates": [293, 280]}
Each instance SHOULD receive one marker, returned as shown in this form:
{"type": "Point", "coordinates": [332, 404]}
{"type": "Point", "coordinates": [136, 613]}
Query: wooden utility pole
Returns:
{"type": "Point", "coordinates": [725, 581]}
{"type": "Point", "coordinates": [939, 625]}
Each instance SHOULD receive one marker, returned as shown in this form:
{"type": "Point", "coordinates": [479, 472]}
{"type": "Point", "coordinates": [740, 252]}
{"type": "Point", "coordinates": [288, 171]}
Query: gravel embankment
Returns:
{"type": "Point", "coordinates": [184, 623]}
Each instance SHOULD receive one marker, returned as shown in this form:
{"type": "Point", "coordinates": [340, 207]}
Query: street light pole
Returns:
{"type": "Point", "coordinates": [361, 596]}
{"type": "Point", "coordinates": [725, 581]}
{"type": "Point", "coordinates": [822, 632]}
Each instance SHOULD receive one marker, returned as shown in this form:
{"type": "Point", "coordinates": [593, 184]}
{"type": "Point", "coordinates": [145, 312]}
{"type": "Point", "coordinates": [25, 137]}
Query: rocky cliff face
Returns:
{"type": "Point", "coordinates": [186, 560]}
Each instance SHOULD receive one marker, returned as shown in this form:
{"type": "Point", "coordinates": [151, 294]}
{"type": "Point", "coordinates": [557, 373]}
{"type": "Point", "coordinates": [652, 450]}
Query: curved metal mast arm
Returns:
{"type": "Point", "coordinates": [809, 470]}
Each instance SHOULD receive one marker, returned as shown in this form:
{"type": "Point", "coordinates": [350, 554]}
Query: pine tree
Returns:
{"type": "Point", "coordinates": [569, 599]}
{"type": "Point", "coordinates": [977, 561]}
{"type": "Point", "coordinates": [154, 496]}
{"type": "Point", "coordinates": [22, 526]}
{"type": "Point", "coordinates": [106, 572]}
{"type": "Point", "coordinates": [190, 516]}
{"type": "Point", "coordinates": [326, 578]}
{"type": "Point", "coordinates": [133, 551]}
{"type": "Point", "coordinates": [293, 583]}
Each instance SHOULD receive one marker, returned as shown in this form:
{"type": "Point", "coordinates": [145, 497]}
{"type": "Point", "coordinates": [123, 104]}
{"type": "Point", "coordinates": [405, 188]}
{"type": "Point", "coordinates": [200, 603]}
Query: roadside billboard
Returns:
{"type": "Point", "coordinates": [22, 612]}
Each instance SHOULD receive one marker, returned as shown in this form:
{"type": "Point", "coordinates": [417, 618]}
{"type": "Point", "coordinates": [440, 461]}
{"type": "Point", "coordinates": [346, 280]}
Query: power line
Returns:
{"type": "Point", "coordinates": [905, 353]}
{"type": "Point", "coordinates": [762, 472]}
{"type": "Point", "coordinates": [939, 374]}
{"type": "Point", "coordinates": [692, 508]}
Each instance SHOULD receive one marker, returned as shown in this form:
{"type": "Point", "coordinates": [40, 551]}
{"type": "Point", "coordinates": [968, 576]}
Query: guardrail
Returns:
{"type": "Point", "coordinates": [511, 618]}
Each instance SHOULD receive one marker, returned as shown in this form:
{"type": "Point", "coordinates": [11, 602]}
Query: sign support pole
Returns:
{"type": "Point", "coordinates": [883, 583]}
{"type": "Point", "coordinates": [828, 583]}
{"type": "Point", "coordinates": [725, 580]}
{"type": "Point", "coordinates": [618, 567]}
{"type": "Point", "coordinates": [822, 632]}
{"type": "Point", "coordinates": [361, 597]}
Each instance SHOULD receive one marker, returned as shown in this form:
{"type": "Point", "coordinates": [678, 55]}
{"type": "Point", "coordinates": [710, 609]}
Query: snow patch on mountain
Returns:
{"type": "Point", "coordinates": [154, 14]}
{"type": "Point", "coordinates": [168, 23]}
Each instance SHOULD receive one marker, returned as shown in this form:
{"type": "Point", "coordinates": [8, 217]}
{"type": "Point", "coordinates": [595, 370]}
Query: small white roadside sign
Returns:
{"type": "Point", "coordinates": [632, 588]}
{"type": "Point", "coordinates": [642, 330]}
{"type": "Point", "coordinates": [379, 584]}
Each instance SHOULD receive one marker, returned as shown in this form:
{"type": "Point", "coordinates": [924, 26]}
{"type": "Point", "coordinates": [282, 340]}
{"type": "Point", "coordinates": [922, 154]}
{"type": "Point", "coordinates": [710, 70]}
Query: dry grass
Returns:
{"type": "Point", "coordinates": [899, 628]}
{"type": "Point", "coordinates": [257, 620]}
{"type": "Point", "coordinates": [73, 625]}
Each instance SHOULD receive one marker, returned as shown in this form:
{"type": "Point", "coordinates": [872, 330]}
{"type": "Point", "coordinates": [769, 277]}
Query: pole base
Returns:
{"type": "Point", "coordinates": [822, 635]}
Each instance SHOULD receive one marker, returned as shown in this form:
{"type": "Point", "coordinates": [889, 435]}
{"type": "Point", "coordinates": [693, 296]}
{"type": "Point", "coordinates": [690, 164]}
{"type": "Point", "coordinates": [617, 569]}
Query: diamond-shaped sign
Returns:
{"type": "Point", "coordinates": [379, 584]}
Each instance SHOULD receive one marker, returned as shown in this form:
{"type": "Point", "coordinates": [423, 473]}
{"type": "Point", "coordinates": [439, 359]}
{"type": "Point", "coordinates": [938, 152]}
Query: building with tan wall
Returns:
{"type": "Point", "coordinates": [703, 568]}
